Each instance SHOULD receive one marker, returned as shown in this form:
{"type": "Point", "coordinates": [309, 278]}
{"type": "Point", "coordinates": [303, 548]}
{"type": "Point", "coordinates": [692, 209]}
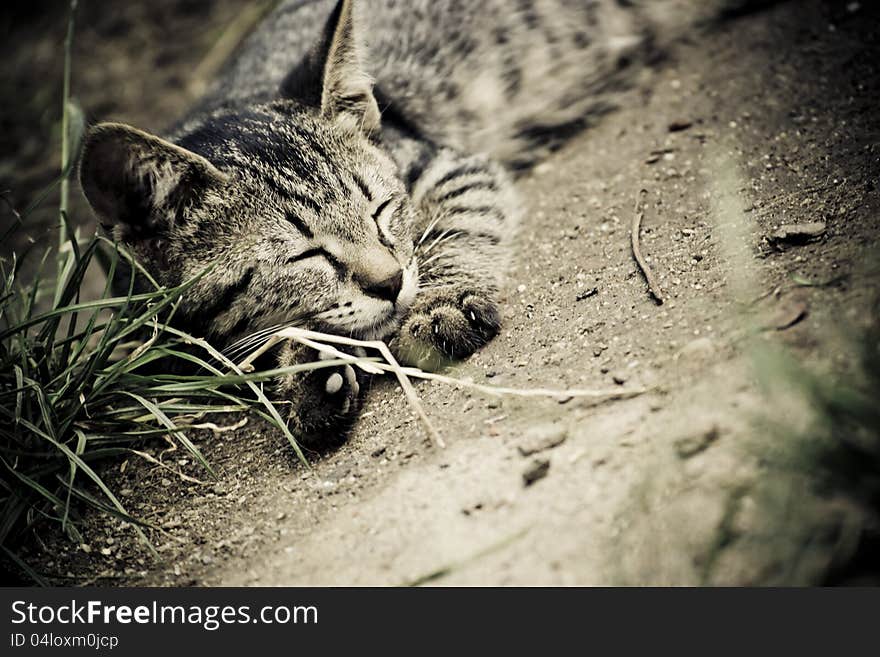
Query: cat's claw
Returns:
{"type": "Point", "coordinates": [447, 324]}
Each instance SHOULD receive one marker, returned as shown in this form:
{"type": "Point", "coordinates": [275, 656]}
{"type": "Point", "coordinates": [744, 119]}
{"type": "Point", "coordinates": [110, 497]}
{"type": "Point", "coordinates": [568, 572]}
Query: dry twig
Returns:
{"type": "Point", "coordinates": [217, 428]}
{"type": "Point", "coordinates": [178, 473]}
{"type": "Point", "coordinates": [653, 287]}
{"type": "Point", "coordinates": [318, 342]}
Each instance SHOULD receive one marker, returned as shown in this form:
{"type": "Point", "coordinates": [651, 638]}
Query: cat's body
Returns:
{"type": "Point", "coordinates": [375, 214]}
{"type": "Point", "coordinates": [505, 78]}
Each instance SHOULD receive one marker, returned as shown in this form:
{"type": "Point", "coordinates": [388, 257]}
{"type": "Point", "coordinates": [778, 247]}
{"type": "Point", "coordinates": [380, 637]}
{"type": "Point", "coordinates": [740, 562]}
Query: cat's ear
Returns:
{"type": "Point", "coordinates": [347, 92]}
{"type": "Point", "coordinates": [139, 182]}
{"type": "Point", "coordinates": [333, 78]}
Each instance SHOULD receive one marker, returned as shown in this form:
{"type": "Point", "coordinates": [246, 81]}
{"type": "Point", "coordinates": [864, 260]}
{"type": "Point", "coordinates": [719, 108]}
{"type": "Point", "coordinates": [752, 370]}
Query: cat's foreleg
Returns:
{"type": "Point", "coordinates": [325, 402]}
{"type": "Point", "coordinates": [467, 215]}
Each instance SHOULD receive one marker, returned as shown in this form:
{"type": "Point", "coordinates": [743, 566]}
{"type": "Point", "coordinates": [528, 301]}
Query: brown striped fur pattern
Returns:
{"type": "Point", "coordinates": [349, 171]}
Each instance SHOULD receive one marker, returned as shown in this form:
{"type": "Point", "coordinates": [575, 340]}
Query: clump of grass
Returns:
{"type": "Point", "coordinates": [848, 421]}
{"type": "Point", "coordinates": [839, 449]}
{"type": "Point", "coordinates": [78, 384]}
{"type": "Point", "coordinates": [848, 414]}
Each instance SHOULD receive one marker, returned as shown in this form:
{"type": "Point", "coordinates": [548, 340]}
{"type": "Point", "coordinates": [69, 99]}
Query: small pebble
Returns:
{"type": "Point", "coordinates": [536, 470]}
{"type": "Point", "coordinates": [542, 437]}
{"type": "Point", "coordinates": [693, 445]}
{"type": "Point", "coordinates": [699, 349]}
{"type": "Point", "coordinates": [587, 294]}
{"type": "Point", "coordinates": [798, 233]}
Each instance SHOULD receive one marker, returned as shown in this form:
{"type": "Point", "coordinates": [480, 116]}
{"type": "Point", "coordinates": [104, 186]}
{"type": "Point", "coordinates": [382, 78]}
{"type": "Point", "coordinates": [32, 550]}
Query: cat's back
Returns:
{"type": "Point", "coordinates": [497, 76]}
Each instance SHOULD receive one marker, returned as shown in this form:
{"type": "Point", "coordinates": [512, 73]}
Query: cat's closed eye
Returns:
{"type": "Point", "coordinates": [377, 214]}
{"type": "Point", "coordinates": [318, 252]}
{"type": "Point", "coordinates": [305, 255]}
{"type": "Point", "coordinates": [384, 208]}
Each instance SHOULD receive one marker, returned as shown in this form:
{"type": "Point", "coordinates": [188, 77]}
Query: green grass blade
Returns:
{"type": "Point", "coordinates": [82, 465]}
{"type": "Point", "coordinates": [30, 572]}
{"type": "Point", "coordinates": [160, 415]}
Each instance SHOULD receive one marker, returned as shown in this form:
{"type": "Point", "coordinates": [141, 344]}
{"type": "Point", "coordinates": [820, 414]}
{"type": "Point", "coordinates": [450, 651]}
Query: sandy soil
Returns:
{"type": "Point", "coordinates": [769, 120]}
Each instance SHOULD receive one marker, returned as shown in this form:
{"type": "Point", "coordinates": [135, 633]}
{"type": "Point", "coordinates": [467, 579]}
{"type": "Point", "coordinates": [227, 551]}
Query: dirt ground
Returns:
{"type": "Point", "coordinates": [768, 120]}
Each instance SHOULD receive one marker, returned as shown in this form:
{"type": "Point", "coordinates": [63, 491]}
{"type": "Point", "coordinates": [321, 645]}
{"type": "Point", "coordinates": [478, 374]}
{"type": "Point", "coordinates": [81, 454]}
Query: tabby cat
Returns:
{"type": "Point", "coordinates": [366, 191]}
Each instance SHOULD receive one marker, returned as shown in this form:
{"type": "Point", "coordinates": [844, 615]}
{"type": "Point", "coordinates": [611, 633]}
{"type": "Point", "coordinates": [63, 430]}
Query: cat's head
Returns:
{"type": "Point", "coordinates": [300, 212]}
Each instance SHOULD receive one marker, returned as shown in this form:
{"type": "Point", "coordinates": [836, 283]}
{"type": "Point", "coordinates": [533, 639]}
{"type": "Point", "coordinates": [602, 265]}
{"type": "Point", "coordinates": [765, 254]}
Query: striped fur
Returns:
{"type": "Point", "coordinates": [316, 211]}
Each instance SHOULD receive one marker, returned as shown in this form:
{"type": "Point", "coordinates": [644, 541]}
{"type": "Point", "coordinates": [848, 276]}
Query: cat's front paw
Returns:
{"type": "Point", "coordinates": [447, 324]}
{"type": "Point", "coordinates": [326, 401]}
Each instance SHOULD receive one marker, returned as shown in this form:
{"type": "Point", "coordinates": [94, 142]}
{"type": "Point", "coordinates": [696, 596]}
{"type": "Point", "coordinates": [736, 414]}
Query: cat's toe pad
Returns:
{"type": "Point", "coordinates": [344, 377]}
{"type": "Point", "coordinates": [333, 384]}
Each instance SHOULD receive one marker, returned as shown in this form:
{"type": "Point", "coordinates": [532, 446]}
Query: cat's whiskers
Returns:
{"type": "Point", "coordinates": [447, 234]}
{"type": "Point", "coordinates": [251, 337]}
{"type": "Point", "coordinates": [252, 340]}
{"type": "Point", "coordinates": [427, 231]}
{"type": "Point", "coordinates": [426, 269]}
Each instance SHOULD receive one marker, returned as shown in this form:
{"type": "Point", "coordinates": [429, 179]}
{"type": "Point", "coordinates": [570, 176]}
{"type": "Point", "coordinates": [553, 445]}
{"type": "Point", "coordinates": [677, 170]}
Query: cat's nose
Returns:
{"type": "Point", "coordinates": [388, 288]}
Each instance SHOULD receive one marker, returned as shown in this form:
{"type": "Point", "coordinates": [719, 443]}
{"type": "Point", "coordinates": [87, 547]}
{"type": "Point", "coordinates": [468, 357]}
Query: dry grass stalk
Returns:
{"type": "Point", "coordinates": [322, 342]}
